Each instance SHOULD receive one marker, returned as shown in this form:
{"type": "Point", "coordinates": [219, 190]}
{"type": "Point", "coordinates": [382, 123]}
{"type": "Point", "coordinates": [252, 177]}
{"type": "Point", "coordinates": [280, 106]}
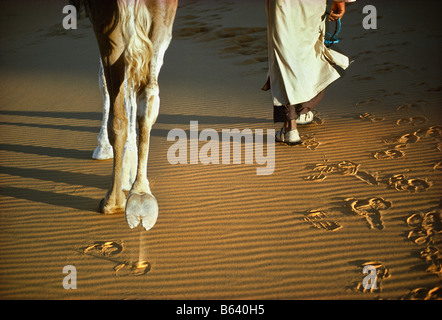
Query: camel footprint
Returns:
{"type": "Point", "coordinates": [399, 182]}
{"type": "Point", "coordinates": [424, 294]}
{"type": "Point", "coordinates": [413, 137]}
{"type": "Point", "coordinates": [104, 248]}
{"type": "Point", "coordinates": [404, 140]}
{"type": "Point", "coordinates": [382, 273]}
{"type": "Point", "coordinates": [319, 219]}
{"type": "Point", "coordinates": [108, 249]}
{"type": "Point", "coordinates": [425, 230]}
{"type": "Point", "coordinates": [346, 168]}
{"type": "Point", "coordinates": [418, 120]}
{"type": "Point", "coordinates": [370, 209]}
{"type": "Point", "coordinates": [137, 268]}
{"type": "Point", "coordinates": [371, 117]}
{"type": "Point", "coordinates": [389, 154]}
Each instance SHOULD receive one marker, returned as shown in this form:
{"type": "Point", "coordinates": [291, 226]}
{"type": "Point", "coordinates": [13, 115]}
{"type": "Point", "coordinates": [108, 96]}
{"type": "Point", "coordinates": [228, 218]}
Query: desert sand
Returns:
{"type": "Point", "coordinates": [364, 188]}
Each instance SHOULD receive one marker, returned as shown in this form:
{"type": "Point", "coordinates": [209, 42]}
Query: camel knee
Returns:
{"type": "Point", "coordinates": [148, 106]}
{"type": "Point", "coordinates": [117, 129]}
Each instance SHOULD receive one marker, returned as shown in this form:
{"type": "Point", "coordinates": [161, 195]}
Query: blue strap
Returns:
{"type": "Point", "coordinates": [333, 37]}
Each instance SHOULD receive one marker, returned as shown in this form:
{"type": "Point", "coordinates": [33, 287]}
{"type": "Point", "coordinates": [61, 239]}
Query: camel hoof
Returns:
{"type": "Point", "coordinates": [108, 209]}
{"type": "Point", "coordinates": [141, 208]}
{"type": "Point", "coordinates": [103, 153]}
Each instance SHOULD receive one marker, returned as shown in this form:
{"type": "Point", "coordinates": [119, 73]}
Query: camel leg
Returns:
{"type": "Point", "coordinates": [110, 43]}
{"type": "Point", "coordinates": [130, 158]}
{"type": "Point", "coordinates": [141, 204]}
{"type": "Point", "coordinates": [115, 199]}
{"type": "Point", "coordinates": [103, 151]}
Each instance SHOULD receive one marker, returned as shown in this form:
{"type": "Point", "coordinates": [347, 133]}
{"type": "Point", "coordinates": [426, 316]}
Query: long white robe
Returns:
{"type": "Point", "coordinates": [300, 65]}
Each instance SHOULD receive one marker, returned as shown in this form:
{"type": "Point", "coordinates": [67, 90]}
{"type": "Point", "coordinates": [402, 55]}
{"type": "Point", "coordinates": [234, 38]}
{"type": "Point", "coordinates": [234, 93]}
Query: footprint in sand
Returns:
{"type": "Point", "coordinates": [437, 166]}
{"type": "Point", "coordinates": [388, 67]}
{"type": "Point", "coordinates": [409, 106]}
{"type": "Point", "coordinates": [318, 121]}
{"type": "Point", "coordinates": [368, 178]}
{"type": "Point", "coordinates": [249, 42]}
{"type": "Point", "coordinates": [108, 249]}
{"type": "Point", "coordinates": [401, 182]}
{"type": "Point", "coordinates": [318, 219]}
{"type": "Point", "coordinates": [408, 138]}
{"type": "Point", "coordinates": [418, 120]}
{"type": "Point", "coordinates": [104, 248]}
{"type": "Point", "coordinates": [348, 168]}
{"type": "Point", "coordinates": [404, 139]}
{"type": "Point", "coordinates": [382, 273]}
{"type": "Point", "coordinates": [316, 177]}
{"type": "Point", "coordinates": [389, 154]}
{"type": "Point", "coordinates": [413, 137]}
{"type": "Point", "coordinates": [391, 94]}
{"type": "Point", "coordinates": [366, 115]}
{"type": "Point", "coordinates": [430, 132]}
{"type": "Point", "coordinates": [370, 100]}
{"type": "Point", "coordinates": [344, 167]}
{"type": "Point", "coordinates": [424, 294]}
{"type": "Point", "coordinates": [426, 230]}
{"type": "Point", "coordinates": [371, 117]}
{"type": "Point", "coordinates": [370, 209]}
{"type": "Point", "coordinates": [309, 142]}
{"type": "Point", "coordinates": [322, 169]}
{"type": "Point", "coordinates": [137, 268]}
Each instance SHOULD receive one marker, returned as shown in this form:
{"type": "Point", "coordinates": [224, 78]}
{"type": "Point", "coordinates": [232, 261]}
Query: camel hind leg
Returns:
{"type": "Point", "coordinates": [103, 151]}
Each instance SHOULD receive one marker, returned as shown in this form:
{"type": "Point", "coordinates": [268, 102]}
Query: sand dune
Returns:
{"type": "Point", "coordinates": [363, 189]}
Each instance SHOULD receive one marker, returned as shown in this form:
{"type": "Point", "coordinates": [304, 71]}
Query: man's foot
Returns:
{"type": "Point", "coordinates": [290, 137]}
{"type": "Point", "coordinates": [305, 118]}
{"type": "Point", "coordinates": [280, 135]}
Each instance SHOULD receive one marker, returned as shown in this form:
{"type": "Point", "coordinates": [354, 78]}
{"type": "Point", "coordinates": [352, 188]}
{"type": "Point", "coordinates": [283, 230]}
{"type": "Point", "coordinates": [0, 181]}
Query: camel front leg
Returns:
{"type": "Point", "coordinates": [142, 207]}
{"type": "Point", "coordinates": [130, 158]}
{"type": "Point", "coordinates": [115, 199]}
{"type": "Point", "coordinates": [113, 66]}
{"type": "Point", "coordinates": [104, 151]}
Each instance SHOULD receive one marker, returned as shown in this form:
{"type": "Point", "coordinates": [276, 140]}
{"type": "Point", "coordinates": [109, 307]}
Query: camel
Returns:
{"type": "Point", "coordinates": [104, 150]}
{"type": "Point", "coordinates": [132, 37]}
